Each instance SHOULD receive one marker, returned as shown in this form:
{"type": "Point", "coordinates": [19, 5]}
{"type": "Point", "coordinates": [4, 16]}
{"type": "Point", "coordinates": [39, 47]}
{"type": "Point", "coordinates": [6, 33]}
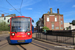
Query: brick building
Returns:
{"type": "Point", "coordinates": [54, 21]}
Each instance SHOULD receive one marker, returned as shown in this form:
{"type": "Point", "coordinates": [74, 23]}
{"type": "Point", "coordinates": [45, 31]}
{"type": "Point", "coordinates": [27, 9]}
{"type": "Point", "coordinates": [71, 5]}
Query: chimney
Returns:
{"type": "Point", "coordinates": [58, 11]}
{"type": "Point", "coordinates": [48, 12]}
{"type": "Point", "coordinates": [51, 10]}
{"type": "Point", "coordinates": [2, 15]}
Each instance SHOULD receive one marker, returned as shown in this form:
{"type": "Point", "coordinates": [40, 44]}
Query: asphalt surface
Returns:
{"type": "Point", "coordinates": [35, 45]}
{"type": "Point", "coordinates": [4, 45]}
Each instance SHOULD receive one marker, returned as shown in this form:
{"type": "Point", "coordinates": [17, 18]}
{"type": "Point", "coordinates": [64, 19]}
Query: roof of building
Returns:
{"type": "Point", "coordinates": [3, 17]}
{"type": "Point", "coordinates": [52, 14]}
{"type": "Point", "coordinates": [8, 15]}
{"type": "Point", "coordinates": [11, 15]}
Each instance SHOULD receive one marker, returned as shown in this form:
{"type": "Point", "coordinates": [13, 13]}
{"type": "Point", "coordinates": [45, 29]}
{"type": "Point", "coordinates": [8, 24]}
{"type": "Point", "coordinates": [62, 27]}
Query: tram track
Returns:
{"type": "Point", "coordinates": [0, 40]}
{"type": "Point", "coordinates": [41, 46]}
{"type": "Point", "coordinates": [3, 41]}
{"type": "Point", "coordinates": [52, 46]}
{"type": "Point", "coordinates": [3, 45]}
{"type": "Point", "coordinates": [32, 46]}
{"type": "Point", "coordinates": [38, 44]}
{"type": "Point", "coordinates": [22, 47]}
{"type": "Point", "coordinates": [6, 43]}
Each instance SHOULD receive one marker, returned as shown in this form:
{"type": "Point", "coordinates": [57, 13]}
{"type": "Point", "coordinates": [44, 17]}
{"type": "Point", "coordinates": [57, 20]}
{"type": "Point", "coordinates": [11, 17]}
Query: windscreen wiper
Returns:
{"type": "Point", "coordinates": [15, 31]}
{"type": "Point", "coordinates": [27, 30]}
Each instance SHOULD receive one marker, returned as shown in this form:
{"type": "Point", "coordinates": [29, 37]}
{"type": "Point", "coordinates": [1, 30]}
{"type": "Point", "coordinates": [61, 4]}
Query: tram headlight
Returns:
{"type": "Point", "coordinates": [28, 33]}
{"type": "Point", "coordinates": [12, 34]}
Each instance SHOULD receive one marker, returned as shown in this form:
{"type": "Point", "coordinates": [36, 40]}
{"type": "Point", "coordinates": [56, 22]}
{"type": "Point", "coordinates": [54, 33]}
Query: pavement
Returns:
{"type": "Point", "coordinates": [35, 45]}
{"type": "Point", "coordinates": [68, 46]}
{"type": "Point", "coordinates": [60, 39]}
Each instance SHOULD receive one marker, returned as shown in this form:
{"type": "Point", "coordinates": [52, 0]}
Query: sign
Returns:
{"type": "Point", "coordinates": [21, 19]}
{"type": "Point", "coordinates": [41, 27]}
{"type": "Point", "coordinates": [51, 15]}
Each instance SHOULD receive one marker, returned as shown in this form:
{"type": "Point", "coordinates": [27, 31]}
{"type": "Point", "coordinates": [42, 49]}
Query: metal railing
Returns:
{"type": "Point", "coordinates": [69, 39]}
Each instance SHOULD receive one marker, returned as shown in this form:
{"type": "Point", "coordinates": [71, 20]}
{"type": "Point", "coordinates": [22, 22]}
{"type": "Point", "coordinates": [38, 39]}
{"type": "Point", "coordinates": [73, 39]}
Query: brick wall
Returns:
{"type": "Point", "coordinates": [52, 21]}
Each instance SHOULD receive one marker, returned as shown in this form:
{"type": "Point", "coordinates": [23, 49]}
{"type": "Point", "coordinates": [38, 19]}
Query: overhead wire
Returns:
{"type": "Point", "coordinates": [3, 12]}
{"type": "Point", "coordinates": [14, 8]}
{"type": "Point", "coordinates": [7, 8]}
{"type": "Point", "coordinates": [21, 6]}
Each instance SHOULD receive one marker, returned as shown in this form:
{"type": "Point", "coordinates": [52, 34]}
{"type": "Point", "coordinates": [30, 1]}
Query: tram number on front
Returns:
{"type": "Point", "coordinates": [21, 40]}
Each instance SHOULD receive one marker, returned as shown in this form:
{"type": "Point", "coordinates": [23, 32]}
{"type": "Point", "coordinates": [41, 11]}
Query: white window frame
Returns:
{"type": "Point", "coordinates": [61, 28]}
{"type": "Point", "coordinates": [47, 19]}
{"type": "Point", "coordinates": [55, 19]}
{"type": "Point", "coordinates": [61, 22]}
{"type": "Point", "coordinates": [52, 26]}
{"type": "Point", "coordinates": [57, 27]}
{"type": "Point", "coordinates": [61, 16]}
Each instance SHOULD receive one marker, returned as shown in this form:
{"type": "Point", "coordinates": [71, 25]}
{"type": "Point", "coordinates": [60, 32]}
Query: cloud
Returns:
{"type": "Point", "coordinates": [29, 8]}
{"type": "Point", "coordinates": [73, 6]}
{"type": "Point", "coordinates": [11, 9]}
{"type": "Point", "coordinates": [29, 2]}
{"type": "Point", "coordinates": [54, 11]}
{"type": "Point", "coordinates": [25, 4]}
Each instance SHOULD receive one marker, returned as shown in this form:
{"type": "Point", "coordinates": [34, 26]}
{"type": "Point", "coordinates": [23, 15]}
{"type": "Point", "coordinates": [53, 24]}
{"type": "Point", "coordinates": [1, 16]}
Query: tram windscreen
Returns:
{"type": "Point", "coordinates": [20, 24]}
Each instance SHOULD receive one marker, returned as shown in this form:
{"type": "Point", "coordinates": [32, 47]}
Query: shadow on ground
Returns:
{"type": "Point", "coordinates": [8, 39]}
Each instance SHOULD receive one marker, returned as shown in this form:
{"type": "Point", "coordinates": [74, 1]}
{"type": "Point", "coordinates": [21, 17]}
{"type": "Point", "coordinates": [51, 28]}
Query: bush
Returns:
{"type": "Point", "coordinates": [45, 28]}
{"type": "Point", "coordinates": [4, 26]}
{"type": "Point", "coordinates": [73, 22]}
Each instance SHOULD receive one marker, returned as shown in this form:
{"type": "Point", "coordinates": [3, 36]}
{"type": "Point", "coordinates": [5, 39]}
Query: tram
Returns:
{"type": "Point", "coordinates": [20, 29]}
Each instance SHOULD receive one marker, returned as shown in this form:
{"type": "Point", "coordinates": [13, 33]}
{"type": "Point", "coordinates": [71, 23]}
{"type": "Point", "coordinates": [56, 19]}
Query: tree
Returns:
{"type": "Point", "coordinates": [4, 26]}
{"type": "Point", "coordinates": [37, 23]}
{"type": "Point", "coordinates": [73, 22]}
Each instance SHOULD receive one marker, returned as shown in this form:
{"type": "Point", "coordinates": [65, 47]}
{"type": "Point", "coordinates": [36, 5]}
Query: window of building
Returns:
{"type": "Point", "coordinates": [47, 19]}
{"type": "Point", "coordinates": [52, 26]}
{"type": "Point", "coordinates": [61, 28]}
{"type": "Point", "coordinates": [4, 18]}
{"type": "Point", "coordinates": [55, 19]}
{"type": "Point", "coordinates": [61, 16]}
{"type": "Point", "coordinates": [61, 22]}
{"type": "Point", "coordinates": [57, 27]}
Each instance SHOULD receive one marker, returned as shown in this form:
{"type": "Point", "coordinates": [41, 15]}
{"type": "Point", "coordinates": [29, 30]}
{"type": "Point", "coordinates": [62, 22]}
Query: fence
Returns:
{"type": "Point", "coordinates": [67, 36]}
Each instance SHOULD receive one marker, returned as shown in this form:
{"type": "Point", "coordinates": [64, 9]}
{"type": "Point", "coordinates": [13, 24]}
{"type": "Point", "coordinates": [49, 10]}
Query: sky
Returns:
{"type": "Point", "coordinates": [36, 8]}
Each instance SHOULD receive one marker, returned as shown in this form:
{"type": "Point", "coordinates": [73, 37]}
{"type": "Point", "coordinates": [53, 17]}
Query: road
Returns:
{"type": "Point", "coordinates": [35, 45]}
